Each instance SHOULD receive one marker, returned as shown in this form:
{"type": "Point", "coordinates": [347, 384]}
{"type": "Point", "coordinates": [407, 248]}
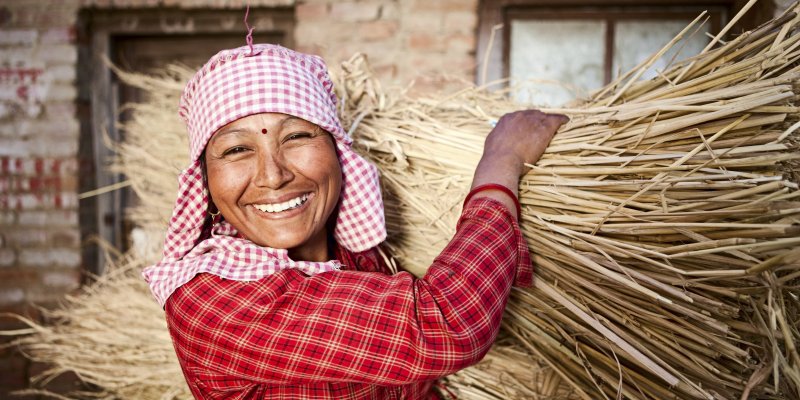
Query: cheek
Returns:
{"type": "Point", "coordinates": [225, 183]}
{"type": "Point", "coordinates": [321, 165]}
{"type": "Point", "coordinates": [335, 182]}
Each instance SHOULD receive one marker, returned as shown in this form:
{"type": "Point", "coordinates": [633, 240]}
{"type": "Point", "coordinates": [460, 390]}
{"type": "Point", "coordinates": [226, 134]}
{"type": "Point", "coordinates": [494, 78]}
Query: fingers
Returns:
{"type": "Point", "coordinates": [521, 137]}
{"type": "Point", "coordinates": [557, 119]}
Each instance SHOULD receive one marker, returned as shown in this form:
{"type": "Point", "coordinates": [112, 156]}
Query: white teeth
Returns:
{"type": "Point", "coordinates": [279, 207]}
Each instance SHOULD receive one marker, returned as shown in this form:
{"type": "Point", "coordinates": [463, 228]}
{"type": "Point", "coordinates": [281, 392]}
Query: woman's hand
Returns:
{"type": "Point", "coordinates": [519, 138]}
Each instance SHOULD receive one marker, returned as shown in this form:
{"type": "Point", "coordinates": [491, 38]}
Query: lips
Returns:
{"type": "Point", "coordinates": [281, 207]}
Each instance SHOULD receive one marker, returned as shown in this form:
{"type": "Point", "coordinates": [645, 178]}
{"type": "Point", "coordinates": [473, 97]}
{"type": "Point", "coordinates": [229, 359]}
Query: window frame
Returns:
{"type": "Point", "coordinates": [493, 47]}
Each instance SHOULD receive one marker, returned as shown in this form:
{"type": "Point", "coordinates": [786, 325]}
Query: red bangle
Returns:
{"type": "Point", "coordinates": [494, 186]}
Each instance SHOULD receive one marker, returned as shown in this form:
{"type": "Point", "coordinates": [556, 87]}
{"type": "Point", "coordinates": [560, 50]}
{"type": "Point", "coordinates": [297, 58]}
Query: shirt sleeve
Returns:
{"type": "Point", "coordinates": [351, 326]}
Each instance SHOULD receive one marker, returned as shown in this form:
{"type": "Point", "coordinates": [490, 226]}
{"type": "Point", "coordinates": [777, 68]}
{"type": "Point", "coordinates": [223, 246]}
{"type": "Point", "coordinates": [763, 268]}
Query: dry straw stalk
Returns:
{"type": "Point", "coordinates": [663, 221]}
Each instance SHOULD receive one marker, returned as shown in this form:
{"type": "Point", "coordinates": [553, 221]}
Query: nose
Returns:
{"type": "Point", "coordinates": [272, 170]}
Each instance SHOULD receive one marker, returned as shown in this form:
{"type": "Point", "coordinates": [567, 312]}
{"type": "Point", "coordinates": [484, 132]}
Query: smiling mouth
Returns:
{"type": "Point", "coordinates": [281, 207]}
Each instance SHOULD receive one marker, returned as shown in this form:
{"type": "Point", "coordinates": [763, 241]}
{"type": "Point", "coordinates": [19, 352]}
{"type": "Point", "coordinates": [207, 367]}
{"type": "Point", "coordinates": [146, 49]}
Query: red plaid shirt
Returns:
{"type": "Point", "coordinates": [358, 333]}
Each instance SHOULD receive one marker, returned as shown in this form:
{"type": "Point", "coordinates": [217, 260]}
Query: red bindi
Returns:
{"type": "Point", "coordinates": [264, 131]}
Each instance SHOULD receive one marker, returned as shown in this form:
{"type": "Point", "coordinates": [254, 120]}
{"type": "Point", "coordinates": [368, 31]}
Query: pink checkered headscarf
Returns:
{"type": "Point", "coordinates": [233, 84]}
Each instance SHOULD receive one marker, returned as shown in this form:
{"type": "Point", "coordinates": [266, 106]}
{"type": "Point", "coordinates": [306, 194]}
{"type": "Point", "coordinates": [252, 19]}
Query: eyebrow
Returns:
{"type": "Point", "coordinates": [232, 131]}
{"type": "Point", "coordinates": [292, 119]}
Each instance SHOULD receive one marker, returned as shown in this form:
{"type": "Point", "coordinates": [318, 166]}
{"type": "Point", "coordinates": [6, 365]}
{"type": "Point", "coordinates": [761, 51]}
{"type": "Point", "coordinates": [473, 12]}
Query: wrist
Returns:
{"type": "Point", "coordinates": [498, 192]}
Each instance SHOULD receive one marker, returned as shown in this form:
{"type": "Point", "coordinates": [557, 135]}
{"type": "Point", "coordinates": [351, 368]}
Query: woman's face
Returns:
{"type": "Point", "coordinates": [276, 178]}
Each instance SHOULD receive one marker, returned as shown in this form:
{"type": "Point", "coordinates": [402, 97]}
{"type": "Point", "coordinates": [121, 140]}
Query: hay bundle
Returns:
{"type": "Point", "coordinates": [663, 228]}
{"type": "Point", "coordinates": [113, 336]}
{"type": "Point", "coordinates": [662, 220]}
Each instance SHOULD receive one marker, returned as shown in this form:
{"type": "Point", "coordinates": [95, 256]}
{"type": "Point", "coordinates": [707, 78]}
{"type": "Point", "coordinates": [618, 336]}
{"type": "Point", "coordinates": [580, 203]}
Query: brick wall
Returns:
{"type": "Point", "coordinates": [41, 116]}
{"type": "Point", "coordinates": [430, 41]}
{"type": "Point", "coordinates": [39, 234]}
{"type": "Point", "coordinates": [40, 257]}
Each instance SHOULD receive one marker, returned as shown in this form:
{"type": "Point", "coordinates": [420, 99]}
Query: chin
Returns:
{"type": "Point", "coordinates": [280, 243]}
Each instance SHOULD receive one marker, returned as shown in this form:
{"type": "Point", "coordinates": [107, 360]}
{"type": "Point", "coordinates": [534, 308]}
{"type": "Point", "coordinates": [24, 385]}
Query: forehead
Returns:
{"type": "Point", "coordinates": [274, 120]}
{"type": "Point", "coordinates": [263, 123]}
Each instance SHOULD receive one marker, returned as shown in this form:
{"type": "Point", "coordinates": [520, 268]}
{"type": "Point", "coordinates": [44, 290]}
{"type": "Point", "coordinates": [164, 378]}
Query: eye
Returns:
{"type": "Point", "coordinates": [234, 150]}
{"type": "Point", "coordinates": [297, 135]}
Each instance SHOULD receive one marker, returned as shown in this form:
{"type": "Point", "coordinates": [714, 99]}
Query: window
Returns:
{"type": "Point", "coordinates": [552, 52]}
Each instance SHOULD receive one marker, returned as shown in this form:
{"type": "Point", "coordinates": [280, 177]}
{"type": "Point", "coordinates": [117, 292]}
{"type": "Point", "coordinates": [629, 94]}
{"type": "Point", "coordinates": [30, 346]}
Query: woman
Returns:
{"type": "Point", "coordinates": [272, 280]}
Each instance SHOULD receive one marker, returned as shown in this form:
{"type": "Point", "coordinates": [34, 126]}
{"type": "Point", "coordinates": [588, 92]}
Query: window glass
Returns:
{"type": "Point", "coordinates": [554, 61]}
{"type": "Point", "coordinates": [635, 41]}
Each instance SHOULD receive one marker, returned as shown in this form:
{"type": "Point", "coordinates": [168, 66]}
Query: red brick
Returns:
{"type": "Point", "coordinates": [68, 280]}
{"type": "Point", "coordinates": [11, 296]}
{"type": "Point", "coordinates": [50, 257]}
{"type": "Point", "coordinates": [305, 12]}
{"type": "Point", "coordinates": [377, 30]}
{"type": "Point", "coordinates": [461, 43]}
{"type": "Point", "coordinates": [66, 200]}
{"type": "Point", "coordinates": [69, 184]}
{"type": "Point", "coordinates": [8, 257]}
{"type": "Point", "coordinates": [424, 42]}
{"type": "Point", "coordinates": [26, 166]}
{"type": "Point", "coordinates": [385, 71]}
{"type": "Point", "coordinates": [44, 183]}
{"type": "Point", "coordinates": [52, 285]}
{"type": "Point", "coordinates": [314, 34]}
{"type": "Point", "coordinates": [59, 36]}
{"type": "Point", "coordinates": [57, 54]}
{"type": "Point", "coordinates": [18, 37]}
{"type": "Point", "coordinates": [29, 201]}
{"type": "Point", "coordinates": [354, 12]}
{"type": "Point", "coordinates": [54, 148]}
{"type": "Point", "coordinates": [67, 166]}
{"type": "Point", "coordinates": [390, 11]}
{"type": "Point", "coordinates": [14, 147]}
{"type": "Point", "coordinates": [38, 201]}
{"type": "Point", "coordinates": [21, 237]}
{"type": "Point", "coordinates": [64, 73]}
{"type": "Point", "coordinates": [424, 22]}
{"type": "Point", "coordinates": [461, 21]}
{"type": "Point", "coordinates": [65, 238]}
{"type": "Point", "coordinates": [51, 218]}
{"type": "Point", "coordinates": [8, 218]}
{"type": "Point", "coordinates": [310, 48]}
{"type": "Point", "coordinates": [37, 166]}
{"type": "Point", "coordinates": [63, 109]}
{"type": "Point", "coordinates": [445, 5]}
{"type": "Point", "coordinates": [60, 92]}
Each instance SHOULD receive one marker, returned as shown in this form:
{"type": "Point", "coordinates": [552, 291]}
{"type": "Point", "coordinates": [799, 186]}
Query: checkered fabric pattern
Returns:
{"type": "Point", "coordinates": [233, 84]}
{"type": "Point", "coordinates": [360, 333]}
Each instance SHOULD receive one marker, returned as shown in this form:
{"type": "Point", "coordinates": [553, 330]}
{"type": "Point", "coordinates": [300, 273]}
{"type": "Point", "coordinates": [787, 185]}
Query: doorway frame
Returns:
{"type": "Point", "coordinates": [101, 217]}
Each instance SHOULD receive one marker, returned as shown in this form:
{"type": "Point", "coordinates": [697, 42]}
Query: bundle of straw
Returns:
{"type": "Point", "coordinates": [664, 231]}
{"type": "Point", "coordinates": [112, 336]}
{"type": "Point", "coordinates": [662, 221]}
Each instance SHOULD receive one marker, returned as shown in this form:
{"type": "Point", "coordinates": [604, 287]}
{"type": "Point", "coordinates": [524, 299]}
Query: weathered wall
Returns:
{"type": "Point", "coordinates": [421, 40]}
{"type": "Point", "coordinates": [40, 258]}
{"type": "Point", "coordinates": [39, 121]}
{"type": "Point", "coordinates": [41, 115]}
{"type": "Point", "coordinates": [39, 236]}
